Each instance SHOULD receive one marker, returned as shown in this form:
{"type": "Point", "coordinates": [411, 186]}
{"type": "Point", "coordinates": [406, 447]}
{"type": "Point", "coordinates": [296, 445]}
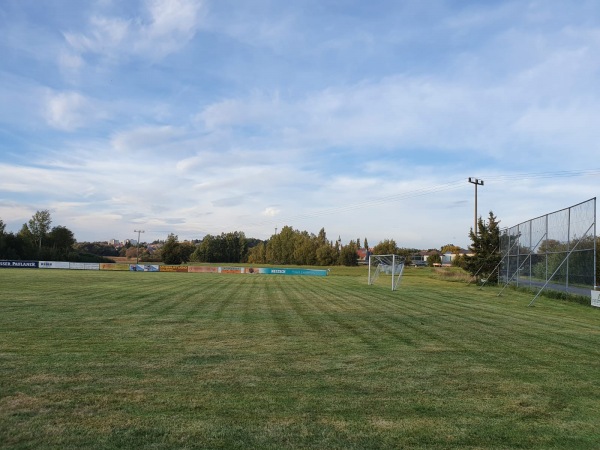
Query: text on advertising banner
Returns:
{"type": "Point", "coordinates": [19, 264]}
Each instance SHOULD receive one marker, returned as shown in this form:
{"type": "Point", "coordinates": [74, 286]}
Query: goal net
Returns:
{"type": "Point", "coordinates": [390, 266]}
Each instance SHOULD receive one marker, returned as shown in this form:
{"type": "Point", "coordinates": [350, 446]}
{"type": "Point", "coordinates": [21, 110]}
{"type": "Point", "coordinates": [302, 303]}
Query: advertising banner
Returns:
{"type": "Point", "coordinates": [114, 266]}
{"type": "Point", "coordinates": [167, 268]}
{"type": "Point", "coordinates": [19, 264]}
{"type": "Point", "coordinates": [231, 270]}
{"type": "Point", "coordinates": [144, 267]}
{"type": "Point", "coordinates": [54, 265]}
{"type": "Point", "coordinates": [596, 299]}
{"type": "Point", "coordinates": [304, 272]}
{"type": "Point", "coordinates": [203, 269]}
{"type": "Point", "coordinates": [84, 266]}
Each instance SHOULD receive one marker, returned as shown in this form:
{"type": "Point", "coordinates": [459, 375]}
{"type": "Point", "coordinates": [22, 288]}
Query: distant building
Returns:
{"type": "Point", "coordinates": [114, 242]}
{"type": "Point", "coordinates": [363, 255]}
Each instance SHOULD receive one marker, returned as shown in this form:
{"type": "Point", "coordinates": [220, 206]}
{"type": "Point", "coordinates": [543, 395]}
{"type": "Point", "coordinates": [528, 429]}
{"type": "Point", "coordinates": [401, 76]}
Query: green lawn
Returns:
{"type": "Point", "coordinates": [160, 360]}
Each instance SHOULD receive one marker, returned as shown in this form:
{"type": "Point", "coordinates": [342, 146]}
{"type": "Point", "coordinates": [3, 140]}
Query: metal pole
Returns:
{"type": "Point", "coordinates": [393, 271]}
{"type": "Point", "coordinates": [595, 243]}
{"type": "Point", "coordinates": [476, 182]}
{"type": "Point", "coordinates": [137, 256]}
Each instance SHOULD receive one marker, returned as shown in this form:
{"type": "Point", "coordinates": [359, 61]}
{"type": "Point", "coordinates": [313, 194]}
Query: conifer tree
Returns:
{"type": "Point", "coordinates": [485, 249]}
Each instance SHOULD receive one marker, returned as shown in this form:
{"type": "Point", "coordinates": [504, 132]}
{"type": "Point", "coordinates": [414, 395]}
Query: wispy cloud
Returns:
{"type": "Point", "coordinates": [68, 111]}
{"type": "Point", "coordinates": [159, 29]}
{"type": "Point", "coordinates": [203, 116]}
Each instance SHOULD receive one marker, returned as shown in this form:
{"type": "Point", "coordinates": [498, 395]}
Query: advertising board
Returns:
{"type": "Point", "coordinates": [53, 265]}
{"type": "Point", "coordinates": [167, 268]}
{"type": "Point", "coordinates": [596, 299]}
{"type": "Point", "coordinates": [203, 269]}
{"type": "Point", "coordinates": [114, 266]}
{"type": "Point", "coordinates": [19, 264]}
{"type": "Point", "coordinates": [231, 270]}
{"type": "Point", "coordinates": [290, 271]}
{"type": "Point", "coordinates": [144, 267]}
{"type": "Point", "coordinates": [84, 266]}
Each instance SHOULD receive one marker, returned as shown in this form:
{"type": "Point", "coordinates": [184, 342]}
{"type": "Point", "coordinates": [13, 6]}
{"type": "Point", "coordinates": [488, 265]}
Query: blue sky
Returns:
{"type": "Point", "coordinates": [365, 118]}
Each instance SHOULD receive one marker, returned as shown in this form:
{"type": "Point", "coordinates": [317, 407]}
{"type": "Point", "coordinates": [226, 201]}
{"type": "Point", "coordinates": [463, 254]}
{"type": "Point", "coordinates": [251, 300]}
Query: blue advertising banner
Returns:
{"type": "Point", "coordinates": [20, 264]}
{"type": "Point", "coordinates": [144, 267]}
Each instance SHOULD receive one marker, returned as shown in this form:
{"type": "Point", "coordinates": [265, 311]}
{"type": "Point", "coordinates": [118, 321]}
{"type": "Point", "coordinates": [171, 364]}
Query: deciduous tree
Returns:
{"type": "Point", "coordinates": [171, 251]}
{"type": "Point", "coordinates": [386, 247]}
{"type": "Point", "coordinates": [39, 226]}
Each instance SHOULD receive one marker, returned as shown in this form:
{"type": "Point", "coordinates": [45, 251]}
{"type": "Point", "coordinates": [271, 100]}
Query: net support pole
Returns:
{"type": "Point", "coordinates": [393, 270]}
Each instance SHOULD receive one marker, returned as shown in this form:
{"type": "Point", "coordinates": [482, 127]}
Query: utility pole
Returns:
{"type": "Point", "coordinates": [476, 182]}
{"type": "Point", "coordinates": [137, 256]}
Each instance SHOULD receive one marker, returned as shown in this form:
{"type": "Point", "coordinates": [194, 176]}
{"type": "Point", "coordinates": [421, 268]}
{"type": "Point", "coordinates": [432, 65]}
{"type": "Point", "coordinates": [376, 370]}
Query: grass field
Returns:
{"type": "Point", "coordinates": [159, 360]}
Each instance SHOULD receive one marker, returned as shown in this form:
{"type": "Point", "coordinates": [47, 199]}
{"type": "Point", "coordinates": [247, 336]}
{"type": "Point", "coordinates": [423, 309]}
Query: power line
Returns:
{"type": "Point", "coordinates": [425, 191]}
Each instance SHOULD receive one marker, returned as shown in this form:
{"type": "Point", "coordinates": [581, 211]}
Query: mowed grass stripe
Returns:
{"type": "Point", "coordinates": [216, 361]}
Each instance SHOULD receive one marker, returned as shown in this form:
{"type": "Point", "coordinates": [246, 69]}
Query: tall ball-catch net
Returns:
{"type": "Point", "coordinates": [556, 251]}
{"type": "Point", "coordinates": [386, 266]}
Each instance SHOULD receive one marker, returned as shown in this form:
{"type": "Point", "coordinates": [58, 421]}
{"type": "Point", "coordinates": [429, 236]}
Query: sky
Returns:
{"type": "Point", "coordinates": [198, 117]}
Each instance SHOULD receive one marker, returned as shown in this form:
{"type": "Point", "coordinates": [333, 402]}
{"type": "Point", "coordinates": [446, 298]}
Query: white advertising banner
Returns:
{"type": "Point", "coordinates": [84, 266]}
{"type": "Point", "coordinates": [53, 265]}
{"type": "Point", "coordinates": [596, 299]}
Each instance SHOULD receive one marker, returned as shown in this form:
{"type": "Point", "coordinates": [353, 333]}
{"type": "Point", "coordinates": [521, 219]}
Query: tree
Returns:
{"type": "Point", "coordinates": [186, 250]}
{"type": "Point", "coordinates": [386, 247]}
{"type": "Point", "coordinates": [485, 249]}
{"type": "Point", "coordinates": [280, 249]}
{"type": "Point", "coordinates": [61, 238]}
{"type": "Point", "coordinates": [39, 225]}
{"type": "Point", "coordinates": [171, 251]}
{"type": "Point", "coordinates": [131, 252]}
{"type": "Point", "coordinates": [349, 255]}
{"type": "Point", "coordinates": [258, 254]}
{"type": "Point", "coordinates": [327, 255]}
{"type": "Point", "coordinates": [26, 243]}
{"type": "Point", "coordinates": [451, 248]}
{"type": "Point", "coordinates": [228, 248]}
{"type": "Point", "coordinates": [434, 259]}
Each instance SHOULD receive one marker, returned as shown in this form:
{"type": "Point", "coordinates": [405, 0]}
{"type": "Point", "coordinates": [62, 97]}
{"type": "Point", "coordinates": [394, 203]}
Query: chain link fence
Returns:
{"type": "Point", "coordinates": [556, 251]}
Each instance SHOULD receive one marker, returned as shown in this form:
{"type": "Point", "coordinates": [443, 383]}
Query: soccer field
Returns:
{"type": "Point", "coordinates": [168, 360]}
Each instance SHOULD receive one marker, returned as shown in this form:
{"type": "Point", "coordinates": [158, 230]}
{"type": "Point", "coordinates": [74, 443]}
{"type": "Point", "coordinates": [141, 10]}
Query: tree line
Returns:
{"type": "Point", "coordinates": [289, 246]}
{"type": "Point", "coordinates": [37, 240]}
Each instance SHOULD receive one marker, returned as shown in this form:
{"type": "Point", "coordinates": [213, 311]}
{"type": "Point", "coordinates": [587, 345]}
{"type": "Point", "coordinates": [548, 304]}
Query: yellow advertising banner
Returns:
{"type": "Point", "coordinates": [173, 268]}
{"type": "Point", "coordinates": [113, 266]}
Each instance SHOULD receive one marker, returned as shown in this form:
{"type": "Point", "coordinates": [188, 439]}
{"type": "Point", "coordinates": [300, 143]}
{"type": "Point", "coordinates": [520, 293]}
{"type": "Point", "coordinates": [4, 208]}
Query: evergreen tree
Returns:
{"type": "Point", "coordinates": [485, 249]}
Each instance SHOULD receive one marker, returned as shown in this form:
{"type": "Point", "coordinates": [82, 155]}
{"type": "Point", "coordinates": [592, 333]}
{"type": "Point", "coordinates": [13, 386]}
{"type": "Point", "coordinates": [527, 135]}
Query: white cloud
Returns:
{"type": "Point", "coordinates": [271, 211]}
{"type": "Point", "coordinates": [160, 29]}
{"type": "Point", "coordinates": [146, 139]}
{"type": "Point", "coordinates": [68, 111]}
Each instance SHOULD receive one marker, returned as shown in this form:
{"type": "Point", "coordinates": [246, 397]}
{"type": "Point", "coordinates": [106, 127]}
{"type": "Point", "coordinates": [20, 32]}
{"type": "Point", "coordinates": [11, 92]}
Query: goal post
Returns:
{"type": "Point", "coordinates": [388, 265]}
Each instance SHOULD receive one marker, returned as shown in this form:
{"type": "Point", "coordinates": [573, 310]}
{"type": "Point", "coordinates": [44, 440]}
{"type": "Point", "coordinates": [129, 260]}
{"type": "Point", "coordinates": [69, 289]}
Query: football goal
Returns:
{"type": "Point", "coordinates": [387, 265]}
